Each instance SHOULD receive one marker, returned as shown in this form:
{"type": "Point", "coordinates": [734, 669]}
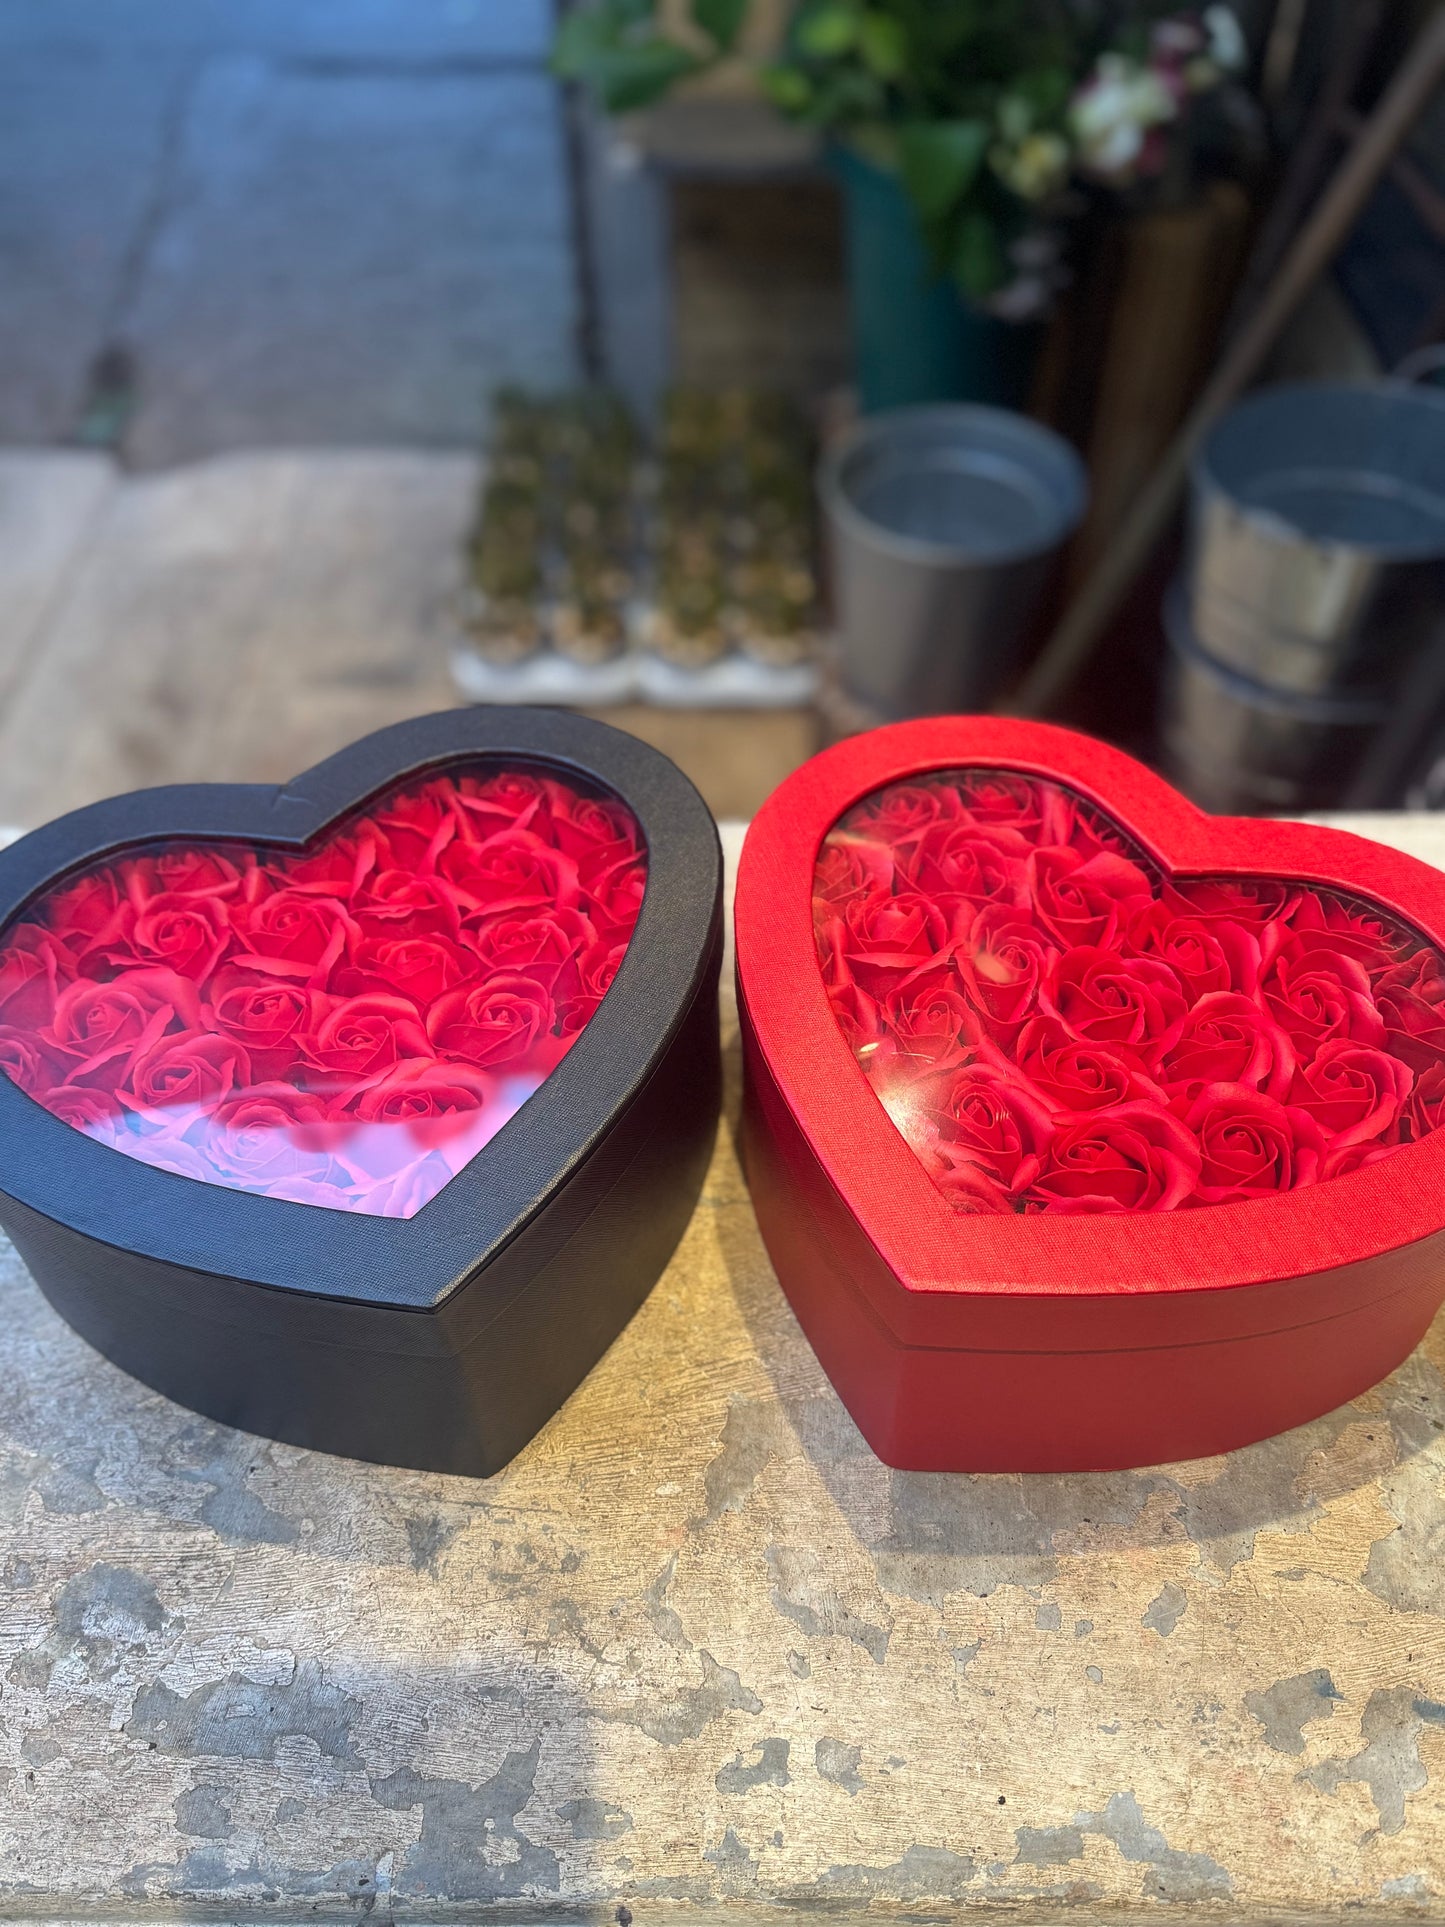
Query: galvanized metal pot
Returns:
{"type": "Point", "coordinates": [1240, 748]}
{"type": "Point", "coordinates": [944, 526]}
{"type": "Point", "coordinates": [1318, 535]}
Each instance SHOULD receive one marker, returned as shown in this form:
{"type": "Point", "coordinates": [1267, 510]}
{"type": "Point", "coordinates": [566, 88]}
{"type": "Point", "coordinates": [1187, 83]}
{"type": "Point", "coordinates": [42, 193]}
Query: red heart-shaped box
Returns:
{"type": "Point", "coordinates": [1030, 1341]}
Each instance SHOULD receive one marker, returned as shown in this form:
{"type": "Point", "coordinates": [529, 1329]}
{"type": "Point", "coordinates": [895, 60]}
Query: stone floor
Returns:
{"type": "Point", "coordinates": [261, 264]}
{"type": "Point", "coordinates": [277, 222]}
{"type": "Point", "coordinates": [242, 617]}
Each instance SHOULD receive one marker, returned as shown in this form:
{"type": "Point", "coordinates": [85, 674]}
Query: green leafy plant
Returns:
{"type": "Point", "coordinates": [619, 49]}
{"type": "Point", "coordinates": [985, 109]}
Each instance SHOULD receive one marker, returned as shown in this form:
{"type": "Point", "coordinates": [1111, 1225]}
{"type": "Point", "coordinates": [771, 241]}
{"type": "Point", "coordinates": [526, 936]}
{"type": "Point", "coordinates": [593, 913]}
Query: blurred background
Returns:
{"type": "Point", "coordinates": [746, 372]}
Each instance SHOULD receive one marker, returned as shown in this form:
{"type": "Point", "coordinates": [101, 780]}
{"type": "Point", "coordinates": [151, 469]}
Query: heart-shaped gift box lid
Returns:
{"type": "Point", "coordinates": [936, 1276]}
{"type": "Point", "coordinates": [411, 1252]}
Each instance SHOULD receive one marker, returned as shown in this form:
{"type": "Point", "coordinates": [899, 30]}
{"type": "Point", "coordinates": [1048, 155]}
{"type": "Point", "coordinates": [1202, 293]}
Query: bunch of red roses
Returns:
{"type": "Point", "coordinates": [1054, 1025]}
{"type": "Point", "coordinates": [345, 1027]}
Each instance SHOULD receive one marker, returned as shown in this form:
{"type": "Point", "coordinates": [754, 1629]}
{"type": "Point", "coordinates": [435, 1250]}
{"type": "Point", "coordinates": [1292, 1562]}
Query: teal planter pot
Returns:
{"type": "Point", "coordinates": [914, 337]}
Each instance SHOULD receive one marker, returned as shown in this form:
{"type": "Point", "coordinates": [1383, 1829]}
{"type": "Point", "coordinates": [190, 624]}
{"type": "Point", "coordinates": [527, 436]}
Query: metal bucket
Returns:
{"type": "Point", "coordinates": [944, 526]}
{"type": "Point", "coordinates": [1240, 748]}
{"type": "Point", "coordinates": [1317, 555]}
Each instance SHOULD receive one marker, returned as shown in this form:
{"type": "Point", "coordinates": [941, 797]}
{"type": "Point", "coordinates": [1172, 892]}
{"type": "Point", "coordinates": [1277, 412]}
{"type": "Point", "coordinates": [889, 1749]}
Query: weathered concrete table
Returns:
{"type": "Point", "coordinates": [696, 1648]}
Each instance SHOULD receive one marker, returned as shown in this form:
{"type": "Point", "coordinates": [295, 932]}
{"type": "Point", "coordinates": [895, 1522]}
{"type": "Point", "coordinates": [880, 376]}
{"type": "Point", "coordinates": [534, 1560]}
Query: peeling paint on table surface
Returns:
{"type": "Point", "coordinates": [697, 1647]}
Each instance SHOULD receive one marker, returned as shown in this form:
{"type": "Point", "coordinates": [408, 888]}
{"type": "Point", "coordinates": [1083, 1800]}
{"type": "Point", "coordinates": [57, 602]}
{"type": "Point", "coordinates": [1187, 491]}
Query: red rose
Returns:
{"type": "Point", "coordinates": [1322, 921]}
{"type": "Point", "coordinates": [1107, 998]}
{"type": "Point", "coordinates": [1353, 1157]}
{"type": "Point", "coordinates": [413, 829]}
{"type": "Point", "coordinates": [1002, 962]}
{"type": "Point", "coordinates": [981, 1133]}
{"type": "Point", "coordinates": [544, 944]}
{"type": "Point", "coordinates": [418, 1090]}
{"type": "Point", "coordinates": [1251, 902]}
{"type": "Point", "coordinates": [933, 1028]}
{"type": "Point", "coordinates": [1410, 997]}
{"type": "Point", "coordinates": [880, 941]}
{"type": "Point", "coordinates": [1256, 904]}
{"type": "Point", "coordinates": [1082, 899]}
{"type": "Point", "coordinates": [417, 967]}
{"type": "Point", "coordinates": [1250, 1145]}
{"type": "Point", "coordinates": [358, 1037]}
{"type": "Point", "coordinates": [268, 1016]}
{"type": "Point", "coordinates": [847, 867]}
{"type": "Point", "coordinates": [861, 1020]}
{"type": "Point", "coordinates": [26, 1062]}
{"type": "Point", "coordinates": [1073, 1076]}
{"type": "Point", "coordinates": [97, 1114]}
{"type": "Point", "coordinates": [513, 870]}
{"type": "Point", "coordinates": [33, 966]}
{"type": "Point", "coordinates": [1042, 812]}
{"type": "Point", "coordinates": [1133, 1157]}
{"type": "Point", "coordinates": [615, 901]}
{"type": "Point", "coordinates": [492, 1024]}
{"type": "Point", "coordinates": [80, 911]}
{"type": "Point", "coordinates": [1091, 832]}
{"type": "Point", "coordinates": [188, 934]}
{"type": "Point", "coordinates": [1314, 998]}
{"type": "Point", "coordinates": [596, 968]}
{"type": "Point", "coordinates": [98, 1029]}
{"type": "Point", "coordinates": [511, 799]}
{"type": "Point", "coordinates": [395, 902]}
{"type": "Point", "coordinates": [898, 815]}
{"type": "Point", "coordinates": [1227, 1039]}
{"type": "Point", "coordinates": [956, 860]}
{"type": "Point", "coordinates": [296, 934]}
{"type": "Point", "coordinates": [191, 1070]}
{"type": "Point", "coordinates": [599, 834]}
{"type": "Point", "coordinates": [342, 868]}
{"type": "Point", "coordinates": [178, 873]}
{"type": "Point", "coordinates": [1354, 1092]}
{"type": "Point", "coordinates": [1207, 955]}
{"type": "Point", "coordinates": [159, 1138]}
{"type": "Point", "coordinates": [1425, 1107]}
{"type": "Point", "coordinates": [402, 1193]}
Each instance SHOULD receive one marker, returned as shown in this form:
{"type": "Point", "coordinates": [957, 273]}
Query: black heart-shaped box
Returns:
{"type": "Point", "coordinates": [444, 1340]}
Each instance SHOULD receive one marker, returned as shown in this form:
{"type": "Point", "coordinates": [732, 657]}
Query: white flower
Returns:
{"type": "Point", "coordinates": [1227, 47]}
{"type": "Point", "coordinates": [1114, 110]}
{"type": "Point", "coordinates": [1036, 168]}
